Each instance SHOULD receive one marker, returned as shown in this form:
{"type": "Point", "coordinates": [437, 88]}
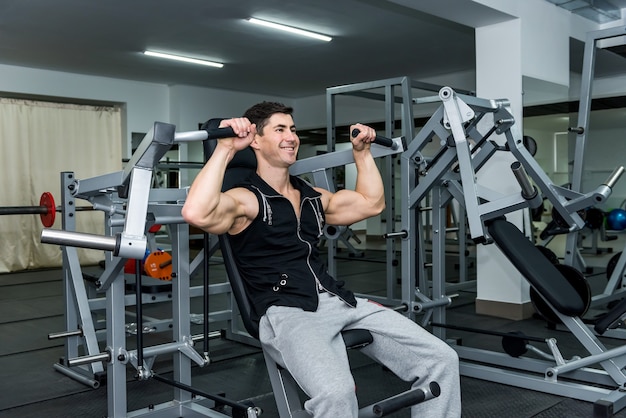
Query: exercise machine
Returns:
{"type": "Point", "coordinates": [464, 126]}
{"type": "Point", "coordinates": [131, 207]}
{"type": "Point", "coordinates": [615, 288]}
{"type": "Point", "coordinates": [402, 101]}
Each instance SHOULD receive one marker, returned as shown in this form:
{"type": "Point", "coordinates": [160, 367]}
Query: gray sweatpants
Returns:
{"type": "Point", "coordinates": [310, 346]}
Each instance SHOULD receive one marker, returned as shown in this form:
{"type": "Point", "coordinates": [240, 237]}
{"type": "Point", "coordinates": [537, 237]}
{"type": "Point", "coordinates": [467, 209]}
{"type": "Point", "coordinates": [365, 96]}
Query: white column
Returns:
{"type": "Point", "coordinates": [531, 52]}
{"type": "Point", "coordinates": [501, 291]}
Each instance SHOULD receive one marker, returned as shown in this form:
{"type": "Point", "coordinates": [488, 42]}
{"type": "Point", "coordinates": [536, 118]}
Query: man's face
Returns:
{"type": "Point", "coordinates": [279, 142]}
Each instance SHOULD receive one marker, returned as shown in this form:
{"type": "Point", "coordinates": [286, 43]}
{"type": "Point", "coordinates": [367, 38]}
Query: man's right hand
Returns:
{"type": "Point", "coordinates": [244, 130]}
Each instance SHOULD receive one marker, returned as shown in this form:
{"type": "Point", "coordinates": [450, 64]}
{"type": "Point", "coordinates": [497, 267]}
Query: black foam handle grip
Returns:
{"type": "Point", "coordinates": [380, 140]}
{"type": "Point", "coordinates": [218, 133]}
{"type": "Point", "coordinates": [405, 399]}
{"type": "Point", "coordinates": [611, 317]}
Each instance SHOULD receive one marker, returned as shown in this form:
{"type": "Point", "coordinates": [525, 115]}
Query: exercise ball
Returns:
{"type": "Point", "coordinates": [616, 219]}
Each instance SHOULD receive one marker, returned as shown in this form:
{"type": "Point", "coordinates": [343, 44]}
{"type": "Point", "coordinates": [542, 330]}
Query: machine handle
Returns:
{"type": "Point", "coordinates": [204, 134]}
{"type": "Point", "coordinates": [380, 140]}
{"type": "Point", "coordinates": [220, 133]}
{"type": "Point", "coordinates": [529, 192]}
{"type": "Point", "coordinates": [610, 182]}
{"type": "Point", "coordinates": [406, 399]}
{"type": "Point", "coordinates": [79, 239]}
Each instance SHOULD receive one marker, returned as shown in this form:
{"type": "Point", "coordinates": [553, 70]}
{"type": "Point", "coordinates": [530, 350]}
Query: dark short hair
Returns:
{"type": "Point", "coordinates": [261, 112]}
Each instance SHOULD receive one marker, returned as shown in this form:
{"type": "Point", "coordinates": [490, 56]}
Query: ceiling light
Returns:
{"type": "Point", "coordinates": [290, 29]}
{"type": "Point", "coordinates": [601, 11]}
{"type": "Point", "coordinates": [184, 59]}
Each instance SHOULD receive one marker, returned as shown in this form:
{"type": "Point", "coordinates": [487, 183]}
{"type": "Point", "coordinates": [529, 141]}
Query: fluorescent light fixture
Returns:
{"type": "Point", "coordinates": [290, 29]}
{"type": "Point", "coordinates": [184, 59]}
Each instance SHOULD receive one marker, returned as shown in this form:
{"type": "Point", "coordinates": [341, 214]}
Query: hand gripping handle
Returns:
{"type": "Point", "coordinates": [220, 133]}
{"type": "Point", "coordinates": [380, 140]}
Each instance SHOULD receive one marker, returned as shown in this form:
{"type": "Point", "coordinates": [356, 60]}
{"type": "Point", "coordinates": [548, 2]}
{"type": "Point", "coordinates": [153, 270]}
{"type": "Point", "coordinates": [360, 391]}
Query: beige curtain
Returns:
{"type": "Point", "coordinates": [39, 140]}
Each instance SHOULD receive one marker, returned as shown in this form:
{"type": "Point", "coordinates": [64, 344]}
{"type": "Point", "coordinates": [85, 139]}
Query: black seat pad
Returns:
{"type": "Point", "coordinates": [536, 268]}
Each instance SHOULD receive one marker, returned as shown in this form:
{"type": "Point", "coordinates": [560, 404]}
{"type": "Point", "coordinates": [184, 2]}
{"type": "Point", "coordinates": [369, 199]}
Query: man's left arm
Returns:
{"type": "Point", "coordinates": [346, 207]}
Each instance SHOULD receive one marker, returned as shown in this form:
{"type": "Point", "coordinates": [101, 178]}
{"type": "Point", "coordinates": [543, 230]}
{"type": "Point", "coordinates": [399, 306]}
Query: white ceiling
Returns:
{"type": "Point", "coordinates": [373, 40]}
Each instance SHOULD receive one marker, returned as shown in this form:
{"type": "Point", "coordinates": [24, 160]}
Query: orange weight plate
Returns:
{"type": "Point", "coordinates": [158, 264]}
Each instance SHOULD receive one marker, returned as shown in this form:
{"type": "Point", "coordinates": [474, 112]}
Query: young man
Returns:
{"type": "Point", "coordinates": [274, 222]}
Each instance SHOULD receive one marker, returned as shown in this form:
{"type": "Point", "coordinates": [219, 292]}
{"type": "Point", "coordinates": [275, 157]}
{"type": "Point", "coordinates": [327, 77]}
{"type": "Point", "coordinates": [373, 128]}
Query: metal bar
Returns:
{"type": "Point", "coordinates": [78, 361]}
{"type": "Point", "coordinates": [488, 332]}
{"type": "Point", "coordinates": [65, 334]}
{"type": "Point", "coordinates": [190, 136]}
{"type": "Point", "coordinates": [610, 182]}
{"type": "Point", "coordinates": [76, 376]}
{"type": "Point", "coordinates": [78, 239]}
{"type": "Point", "coordinates": [139, 318]}
{"type": "Point", "coordinates": [36, 210]}
{"type": "Point", "coordinates": [205, 294]}
{"type": "Point", "coordinates": [190, 389]}
{"type": "Point", "coordinates": [210, 335]}
{"type": "Point", "coordinates": [341, 158]}
{"type": "Point", "coordinates": [528, 191]}
{"type": "Point", "coordinates": [23, 210]}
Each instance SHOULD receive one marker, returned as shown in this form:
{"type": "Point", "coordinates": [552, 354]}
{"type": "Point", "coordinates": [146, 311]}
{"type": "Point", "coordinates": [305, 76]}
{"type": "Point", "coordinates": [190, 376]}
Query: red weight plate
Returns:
{"type": "Point", "coordinates": [47, 201]}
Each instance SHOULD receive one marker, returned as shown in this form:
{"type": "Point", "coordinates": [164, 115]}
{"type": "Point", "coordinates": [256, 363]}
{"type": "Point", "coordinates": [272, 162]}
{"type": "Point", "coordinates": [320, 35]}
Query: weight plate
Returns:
{"type": "Point", "coordinates": [47, 200]}
{"type": "Point", "coordinates": [158, 264]}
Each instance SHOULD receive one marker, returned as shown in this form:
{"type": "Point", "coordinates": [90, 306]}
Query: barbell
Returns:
{"type": "Point", "coordinates": [46, 210]}
{"type": "Point", "coordinates": [157, 264]}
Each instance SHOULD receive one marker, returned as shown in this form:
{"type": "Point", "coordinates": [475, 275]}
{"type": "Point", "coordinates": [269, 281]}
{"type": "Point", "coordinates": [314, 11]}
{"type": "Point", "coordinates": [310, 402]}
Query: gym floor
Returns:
{"type": "Point", "coordinates": [33, 305]}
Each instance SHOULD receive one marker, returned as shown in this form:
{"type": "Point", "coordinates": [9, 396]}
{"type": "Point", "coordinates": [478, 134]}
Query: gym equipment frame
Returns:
{"type": "Point", "coordinates": [111, 194]}
{"type": "Point", "coordinates": [401, 99]}
{"type": "Point", "coordinates": [615, 288]}
{"type": "Point", "coordinates": [131, 208]}
{"type": "Point", "coordinates": [451, 176]}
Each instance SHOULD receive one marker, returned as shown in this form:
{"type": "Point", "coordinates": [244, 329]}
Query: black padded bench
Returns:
{"type": "Point", "coordinates": [544, 276]}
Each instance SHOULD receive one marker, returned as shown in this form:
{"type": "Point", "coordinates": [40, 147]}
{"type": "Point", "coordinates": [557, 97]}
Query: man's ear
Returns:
{"type": "Point", "coordinates": [254, 144]}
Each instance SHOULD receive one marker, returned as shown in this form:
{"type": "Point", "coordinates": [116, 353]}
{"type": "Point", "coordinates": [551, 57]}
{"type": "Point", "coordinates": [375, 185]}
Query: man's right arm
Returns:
{"type": "Point", "coordinates": [206, 207]}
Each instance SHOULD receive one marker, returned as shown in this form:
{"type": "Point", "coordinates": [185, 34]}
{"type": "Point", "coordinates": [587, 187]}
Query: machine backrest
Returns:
{"type": "Point", "coordinates": [238, 287]}
{"type": "Point", "coordinates": [241, 166]}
